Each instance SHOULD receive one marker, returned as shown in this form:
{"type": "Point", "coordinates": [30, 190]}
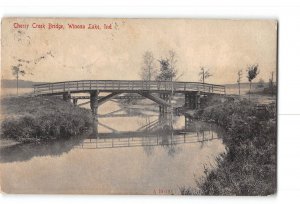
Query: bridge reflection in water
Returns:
{"type": "Point", "coordinates": [160, 132]}
{"type": "Point", "coordinates": [147, 140]}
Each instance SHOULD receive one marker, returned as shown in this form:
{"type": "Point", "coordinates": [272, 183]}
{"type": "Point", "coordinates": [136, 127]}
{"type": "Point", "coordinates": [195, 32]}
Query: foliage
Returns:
{"type": "Point", "coordinates": [249, 166]}
{"type": "Point", "coordinates": [168, 69]}
{"type": "Point", "coordinates": [42, 118]}
{"type": "Point", "coordinates": [166, 73]}
{"type": "Point", "coordinates": [16, 71]}
{"type": "Point", "coordinates": [252, 72]}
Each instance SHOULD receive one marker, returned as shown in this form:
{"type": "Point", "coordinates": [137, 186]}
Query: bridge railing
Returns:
{"type": "Point", "coordinates": [126, 85]}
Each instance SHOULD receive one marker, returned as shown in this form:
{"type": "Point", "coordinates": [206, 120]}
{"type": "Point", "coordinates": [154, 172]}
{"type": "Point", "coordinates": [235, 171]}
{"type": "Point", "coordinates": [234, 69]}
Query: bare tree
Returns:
{"type": "Point", "coordinates": [179, 76]}
{"type": "Point", "coordinates": [28, 65]}
{"type": "Point", "coordinates": [173, 61]}
{"type": "Point", "coordinates": [148, 68]}
{"type": "Point", "coordinates": [204, 74]}
{"type": "Point", "coordinates": [240, 74]}
{"type": "Point", "coordinates": [252, 73]}
{"type": "Point", "coordinates": [17, 71]}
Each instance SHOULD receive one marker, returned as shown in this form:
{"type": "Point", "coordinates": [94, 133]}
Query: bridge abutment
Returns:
{"type": "Point", "coordinates": [192, 100]}
{"type": "Point", "coordinates": [67, 96]}
{"type": "Point", "coordinates": [94, 102]}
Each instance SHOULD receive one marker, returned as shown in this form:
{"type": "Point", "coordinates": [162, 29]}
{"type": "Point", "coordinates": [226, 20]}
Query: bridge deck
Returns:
{"type": "Point", "coordinates": [126, 86]}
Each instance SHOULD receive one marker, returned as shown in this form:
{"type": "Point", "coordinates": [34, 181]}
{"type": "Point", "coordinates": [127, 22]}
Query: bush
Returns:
{"type": "Point", "coordinates": [249, 167]}
{"type": "Point", "coordinates": [43, 118]}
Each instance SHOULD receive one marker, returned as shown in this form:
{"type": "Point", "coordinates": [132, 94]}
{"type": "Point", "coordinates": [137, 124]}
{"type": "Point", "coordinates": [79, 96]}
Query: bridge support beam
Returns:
{"type": "Point", "coordinates": [108, 97]}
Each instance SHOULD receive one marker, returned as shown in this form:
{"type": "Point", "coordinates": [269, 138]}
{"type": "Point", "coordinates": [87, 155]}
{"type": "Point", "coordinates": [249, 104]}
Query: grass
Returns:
{"type": "Point", "coordinates": [249, 166]}
{"type": "Point", "coordinates": [33, 119]}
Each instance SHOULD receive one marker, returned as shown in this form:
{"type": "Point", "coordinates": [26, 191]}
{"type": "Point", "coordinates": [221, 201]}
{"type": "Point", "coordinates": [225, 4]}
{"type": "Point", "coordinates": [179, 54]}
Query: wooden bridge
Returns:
{"type": "Point", "coordinates": [147, 89]}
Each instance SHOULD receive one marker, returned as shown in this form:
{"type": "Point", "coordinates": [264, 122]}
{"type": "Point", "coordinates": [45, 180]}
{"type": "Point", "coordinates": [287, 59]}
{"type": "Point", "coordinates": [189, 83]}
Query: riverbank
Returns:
{"type": "Point", "coordinates": [249, 166]}
{"type": "Point", "coordinates": [35, 119]}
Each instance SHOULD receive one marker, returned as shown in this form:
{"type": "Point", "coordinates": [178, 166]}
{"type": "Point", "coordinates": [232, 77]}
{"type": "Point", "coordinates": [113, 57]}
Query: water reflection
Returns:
{"type": "Point", "coordinates": [152, 134]}
{"type": "Point", "coordinates": [166, 131]}
{"type": "Point", "coordinates": [24, 152]}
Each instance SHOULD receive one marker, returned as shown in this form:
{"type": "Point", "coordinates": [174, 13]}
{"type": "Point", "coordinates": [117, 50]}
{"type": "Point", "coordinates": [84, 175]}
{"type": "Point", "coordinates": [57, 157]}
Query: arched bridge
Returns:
{"type": "Point", "coordinates": [158, 91]}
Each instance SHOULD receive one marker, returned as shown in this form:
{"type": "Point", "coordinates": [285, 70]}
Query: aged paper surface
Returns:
{"type": "Point", "coordinates": [138, 106]}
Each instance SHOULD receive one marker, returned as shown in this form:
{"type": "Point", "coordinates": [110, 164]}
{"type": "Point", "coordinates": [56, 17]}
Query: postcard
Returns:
{"type": "Point", "coordinates": [138, 106]}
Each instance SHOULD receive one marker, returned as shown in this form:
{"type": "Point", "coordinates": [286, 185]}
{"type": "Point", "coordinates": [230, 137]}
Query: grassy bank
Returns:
{"type": "Point", "coordinates": [32, 119]}
{"type": "Point", "coordinates": [249, 166]}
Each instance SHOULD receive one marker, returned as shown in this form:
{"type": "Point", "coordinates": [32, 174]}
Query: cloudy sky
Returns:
{"type": "Point", "coordinates": [223, 46]}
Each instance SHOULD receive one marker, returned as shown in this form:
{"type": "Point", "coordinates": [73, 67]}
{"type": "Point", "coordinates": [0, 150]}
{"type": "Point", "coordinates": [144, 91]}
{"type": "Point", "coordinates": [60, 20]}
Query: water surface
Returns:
{"type": "Point", "coordinates": [136, 151]}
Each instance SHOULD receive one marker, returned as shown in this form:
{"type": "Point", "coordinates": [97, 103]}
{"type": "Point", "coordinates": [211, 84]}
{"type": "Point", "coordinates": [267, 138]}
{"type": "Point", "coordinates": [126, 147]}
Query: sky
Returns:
{"type": "Point", "coordinates": [222, 46]}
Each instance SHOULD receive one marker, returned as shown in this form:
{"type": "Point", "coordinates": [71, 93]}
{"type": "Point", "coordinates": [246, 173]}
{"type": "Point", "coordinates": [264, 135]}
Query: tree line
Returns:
{"type": "Point", "coordinates": [165, 69]}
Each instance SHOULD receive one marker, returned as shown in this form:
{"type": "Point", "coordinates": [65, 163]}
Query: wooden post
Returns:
{"type": "Point", "coordinates": [199, 100]}
{"type": "Point", "coordinates": [75, 101]}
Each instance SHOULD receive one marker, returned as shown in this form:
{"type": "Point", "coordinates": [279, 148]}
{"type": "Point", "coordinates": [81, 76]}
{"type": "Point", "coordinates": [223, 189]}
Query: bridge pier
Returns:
{"type": "Point", "coordinates": [166, 97]}
{"type": "Point", "coordinates": [94, 102]}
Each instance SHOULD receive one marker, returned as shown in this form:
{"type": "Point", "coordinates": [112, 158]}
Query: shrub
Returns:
{"type": "Point", "coordinates": [249, 167]}
{"type": "Point", "coordinates": [43, 118]}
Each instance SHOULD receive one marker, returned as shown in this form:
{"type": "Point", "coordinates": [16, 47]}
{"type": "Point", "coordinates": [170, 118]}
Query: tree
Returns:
{"type": "Point", "coordinates": [204, 74]}
{"type": "Point", "coordinates": [240, 73]}
{"type": "Point", "coordinates": [166, 73]}
{"type": "Point", "coordinates": [17, 71]}
{"type": "Point", "coordinates": [148, 68]}
{"type": "Point", "coordinates": [168, 70]}
{"type": "Point", "coordinates": [252, 73]}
